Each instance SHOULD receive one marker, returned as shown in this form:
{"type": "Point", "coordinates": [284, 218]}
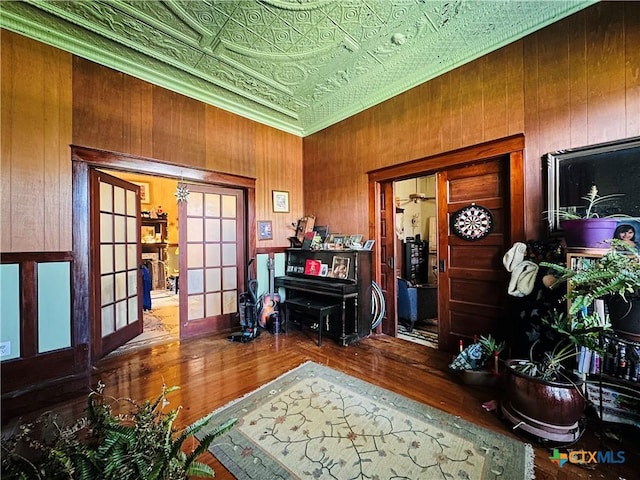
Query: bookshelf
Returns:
{"type": "Point", "coordinates": [613, 380]}
{"type": "Point", "coordinates": [415, 260]}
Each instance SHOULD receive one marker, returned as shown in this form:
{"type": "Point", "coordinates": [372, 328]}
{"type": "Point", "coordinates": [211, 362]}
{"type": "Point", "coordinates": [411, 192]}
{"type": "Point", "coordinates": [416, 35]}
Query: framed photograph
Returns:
{"type": "Point", "coordinates": [368, 245]}
{"type": "Point", "coordinates": [340, 267]}
{"type": "Point", "coordinates": [145, 196]}
{"type": "Point", "coordinates": [322, 230]}
{"type": "Point", "coordinates": [628, 230]}
{"type": "Point", "coordinates": [280, 201]}
{"type": "Point", "coordinates": [312, 267]}
{"type": "Point", "coordinates": [147, 234]}
{"type": "Point", "coordinates": [355, 239]}
{"type": "Point", "coordinates": [337, 238]}
{"type": "Point", "coordinates": [264, 230]}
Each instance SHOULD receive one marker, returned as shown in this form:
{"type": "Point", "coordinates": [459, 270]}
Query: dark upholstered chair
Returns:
{"type": "Point", "coordinates": [415, 302]}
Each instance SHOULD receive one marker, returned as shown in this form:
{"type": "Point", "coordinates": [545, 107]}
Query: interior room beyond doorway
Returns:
{"type": "Point", "coordinates": [416, 260]}
{"type": "Point", "coordinates": [159, 243]}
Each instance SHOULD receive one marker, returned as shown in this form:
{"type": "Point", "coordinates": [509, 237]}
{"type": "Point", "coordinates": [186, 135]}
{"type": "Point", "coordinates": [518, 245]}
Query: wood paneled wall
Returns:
{"type": "Point", "coordinates": [153, 122]}
{"type": "Point", "coordinates": [51, 99]}
{"type": "Point", "coordinates": [574, 83]}
{"type": "Point", "coordinates": [36, 133]}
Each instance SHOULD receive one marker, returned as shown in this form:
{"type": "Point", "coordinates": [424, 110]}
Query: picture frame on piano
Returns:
{"type": "Point", "coordinates": [368, 245]}
{"type": "Point", "coordinates": [312, 267]}
{"type": "Point", "coordinates": [323, 231]}
{"type": "Point", "coordinates": [340, 267]}
{"type": "Point", "coordinates": [357, 238]}
{"type": "Point", "coordinates": [337, 239]}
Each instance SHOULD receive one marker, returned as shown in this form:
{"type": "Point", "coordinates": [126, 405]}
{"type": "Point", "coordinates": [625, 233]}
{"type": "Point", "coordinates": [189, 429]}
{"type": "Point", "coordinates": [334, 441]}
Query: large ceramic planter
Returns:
{"type": "Point", "coordinates": [589, 232]}
{"type": "Point", "coordinates": [480, 378]}
{"type": "Point", "coordinates": [550, 411]}
{"type": "Point", "coordinates": [552, 403]}
{"type": "Point", "coordinates": [625, 316]}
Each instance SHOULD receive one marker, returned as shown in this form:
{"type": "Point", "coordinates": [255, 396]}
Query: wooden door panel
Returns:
{"type": "Point", "coordinates": [475, 188]}
{"type": "Point", "coordinates": [479, 292]}
{"type": "Point", "coordinates": [482, 257]}
{"type": "Point", "coordinates": [467, 323]}
{"type": "Point", "coordinates": [387, 254]}
{"type": "Point", "coordinates": [472, 281]}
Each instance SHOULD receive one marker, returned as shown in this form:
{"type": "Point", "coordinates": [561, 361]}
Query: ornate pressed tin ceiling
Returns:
{"type": "Point", "coordinates": [297, 65]}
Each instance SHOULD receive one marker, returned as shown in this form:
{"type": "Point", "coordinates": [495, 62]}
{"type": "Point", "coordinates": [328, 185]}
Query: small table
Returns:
{"type": "Point", "coordinates": [319, 311]}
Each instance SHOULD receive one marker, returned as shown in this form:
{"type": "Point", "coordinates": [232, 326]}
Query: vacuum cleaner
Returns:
{"type": "Point", "coordinates": [248, 311]}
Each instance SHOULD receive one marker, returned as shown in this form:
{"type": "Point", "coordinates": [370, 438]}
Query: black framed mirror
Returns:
{"type": "Point", "coordinates": [614, 167]}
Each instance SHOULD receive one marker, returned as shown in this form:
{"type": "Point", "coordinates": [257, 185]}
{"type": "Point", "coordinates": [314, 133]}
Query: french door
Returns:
{"type": "Point", "coordinates": [117, 283]}
{"type": "Point", "coordinates": [212, 259]}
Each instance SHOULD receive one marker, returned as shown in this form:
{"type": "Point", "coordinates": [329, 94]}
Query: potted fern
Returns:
{"type": "Point", "coordinates": [614, 278]}
{"type": "Point", "coordinates": [140, 443]}
{"type": "Point", "coordinates": [588, 226]}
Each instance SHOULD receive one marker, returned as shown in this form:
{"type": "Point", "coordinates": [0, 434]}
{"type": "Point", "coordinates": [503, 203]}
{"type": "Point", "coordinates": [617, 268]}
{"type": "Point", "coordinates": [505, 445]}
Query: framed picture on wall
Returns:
{"type": "Point", "coordinates": [265, 231]}
{"type": "Point", "coordinates": [280, 201]}
{"type": "Point", "coordinates": [145, 196]}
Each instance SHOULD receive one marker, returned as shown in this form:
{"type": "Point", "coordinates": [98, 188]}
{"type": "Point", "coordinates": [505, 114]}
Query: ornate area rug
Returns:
{"type": "Point", "coordinates": [315, 422]}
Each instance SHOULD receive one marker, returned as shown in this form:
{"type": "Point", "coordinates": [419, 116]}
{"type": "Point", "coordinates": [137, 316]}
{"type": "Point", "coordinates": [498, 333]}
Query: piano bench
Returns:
{"type": "Point", "coordinates": [314, 309]}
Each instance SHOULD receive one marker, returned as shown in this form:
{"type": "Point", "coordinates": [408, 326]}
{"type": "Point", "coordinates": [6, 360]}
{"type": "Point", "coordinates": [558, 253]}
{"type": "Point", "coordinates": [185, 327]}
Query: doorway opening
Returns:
{"type": "Point", "coordinates": [107, 231]}
{"type": "Point", "coordinates": [471, 281]}
{"type": "Point", "coordinates": [415, 227]}
{"type": "Point", "coordinates": [160, 254]}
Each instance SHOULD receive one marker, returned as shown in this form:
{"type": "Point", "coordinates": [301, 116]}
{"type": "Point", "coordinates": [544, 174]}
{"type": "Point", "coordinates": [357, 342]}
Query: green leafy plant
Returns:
{"type": "Point", "coordinates": [478, 355]}
{"type": "Point", "coordinates": [140, 444]}
{"type": "Point", "coordinates": [617, 272]}
{"type": "Point", "coordinates": [572, 332]}
{"type": "Point", "coordinates": [491, 349]}
{"type": "Point", "coordinates": [594, 202]}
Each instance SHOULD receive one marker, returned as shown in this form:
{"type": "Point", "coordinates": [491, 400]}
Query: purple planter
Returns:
{"type": "Point", "coordinates": [589, 232]}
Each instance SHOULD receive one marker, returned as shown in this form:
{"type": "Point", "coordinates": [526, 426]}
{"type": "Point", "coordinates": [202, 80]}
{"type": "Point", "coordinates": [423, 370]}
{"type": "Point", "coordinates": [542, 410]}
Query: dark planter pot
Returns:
{"type": "Point", "coordinates": [551, 403]}
{"type": "Point", "coordinates": [625, 316]}
{"type": "Point", "coordinates": [589, 232]}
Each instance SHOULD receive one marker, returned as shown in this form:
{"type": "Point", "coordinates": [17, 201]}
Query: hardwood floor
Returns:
{"type": "Point", "coordinates": [213, 371]}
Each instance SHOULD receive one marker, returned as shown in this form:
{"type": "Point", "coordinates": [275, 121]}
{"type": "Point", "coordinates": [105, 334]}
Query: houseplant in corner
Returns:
{"type": "Point", "coordinates": [615, 278]}
{"type": "Point", "coordinates": [140, 443]}
{"type": "Point", "coordinates": [588, 228]}
{"type": "Point", "coordinates": [542, 395]}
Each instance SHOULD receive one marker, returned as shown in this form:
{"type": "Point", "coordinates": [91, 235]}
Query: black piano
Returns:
{"type": "Point", "coordinates": [325, 277]}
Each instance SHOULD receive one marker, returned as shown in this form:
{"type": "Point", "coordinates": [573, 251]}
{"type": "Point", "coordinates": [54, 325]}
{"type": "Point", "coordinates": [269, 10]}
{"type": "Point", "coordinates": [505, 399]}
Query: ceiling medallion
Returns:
{"type": "Point", "coordinates": [472, 222]}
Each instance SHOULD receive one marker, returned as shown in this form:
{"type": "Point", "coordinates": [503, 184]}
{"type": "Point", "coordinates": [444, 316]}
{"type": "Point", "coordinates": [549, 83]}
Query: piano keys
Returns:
{"type": "Point", "coordinates": [344, 277]}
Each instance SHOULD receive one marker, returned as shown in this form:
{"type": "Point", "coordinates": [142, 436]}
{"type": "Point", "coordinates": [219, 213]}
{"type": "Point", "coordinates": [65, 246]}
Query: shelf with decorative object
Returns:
{"type": "Point", "coordinates": [153, 240]}
{"type": "Point", "coordinates": [613, 379]}
{"type": "Point", "coordinates": [614, 390]}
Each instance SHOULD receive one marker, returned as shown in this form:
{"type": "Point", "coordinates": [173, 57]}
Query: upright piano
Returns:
{"type": "Point", "coordinates": [333, 276]}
